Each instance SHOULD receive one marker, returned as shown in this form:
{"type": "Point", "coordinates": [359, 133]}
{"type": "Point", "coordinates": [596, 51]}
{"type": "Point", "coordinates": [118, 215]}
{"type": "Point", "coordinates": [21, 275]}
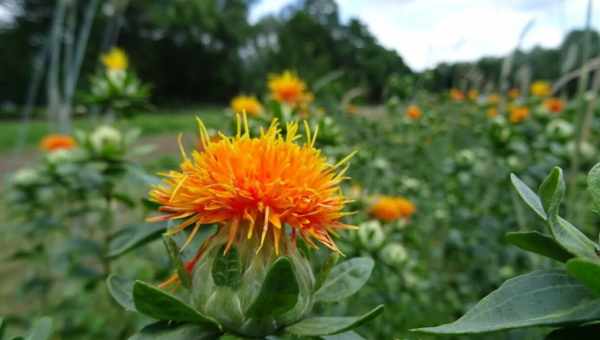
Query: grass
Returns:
{"type": "Point", "coordinates": [151, 123]}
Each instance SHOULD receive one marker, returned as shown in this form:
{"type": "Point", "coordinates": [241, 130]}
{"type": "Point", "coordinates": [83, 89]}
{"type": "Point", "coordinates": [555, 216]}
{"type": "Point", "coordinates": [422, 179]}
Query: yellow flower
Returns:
{"type": "Point", "coordinates": [518, 114]}
{"type": "Point", "coordinates": [390, 208]}
{"type": "Point", "coordinates": [541, 88]}
{"type": "Point", "coordinates": [115, 59]}
{"type": "Point", "coordinates": [55, 142]}
{"type": "Point", "coordinates": [473, 94]}
{"type": "Point", "coordinates": [492, 112]}
{"type": "Point", "coordinates": [252, 187]}
{"type": "Point", "coordinates": [414, 112]}
{"type": "Point", "coordinates": [457, 95]}
{"type": "Point", "coordinates": [514, 93]}
{"type": "Point", "coordinates": [288, 88]}
{"type": "Point", "coordinates": [554, 105]}
{"type": "Point", "coordinates": [247, 104]}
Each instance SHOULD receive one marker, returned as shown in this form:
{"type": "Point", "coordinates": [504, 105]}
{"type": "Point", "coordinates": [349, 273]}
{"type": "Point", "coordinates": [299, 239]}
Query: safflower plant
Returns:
{"type": "Point", "coordinates": [563, 298]}
{"type": "Point", "coordinates": [267, 203]}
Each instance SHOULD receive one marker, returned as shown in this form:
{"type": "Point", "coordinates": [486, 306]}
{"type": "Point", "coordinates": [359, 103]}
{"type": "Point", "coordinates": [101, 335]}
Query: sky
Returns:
{"type": "Point", "coordinates": [427, 32]}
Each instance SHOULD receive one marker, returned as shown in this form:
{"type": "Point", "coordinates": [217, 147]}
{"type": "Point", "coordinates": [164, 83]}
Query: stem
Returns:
{"type": "Point", "coordinates": [580, 119]}
{"type": "Point", "coordinates": [107, 224]}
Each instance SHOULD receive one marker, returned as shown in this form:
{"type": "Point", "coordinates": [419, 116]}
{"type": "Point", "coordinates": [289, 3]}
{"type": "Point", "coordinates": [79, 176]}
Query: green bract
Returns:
{"type": "Point", "coordinates": [247, 293]}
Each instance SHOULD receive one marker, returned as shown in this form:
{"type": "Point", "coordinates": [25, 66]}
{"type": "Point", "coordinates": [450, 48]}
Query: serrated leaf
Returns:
{"type": "Point", "coordinates": [552, 191]}
{"type": "Point", "coordinates": [538, 243]}
{"type": "Point", "coordinates": [585, 271]}
{"type": "Point", "coordinates": [593, 182]}
{"type": "Point", "coordinates": [173, 250]}
{"type": "Point", "coordinates": [161, 305]}
{"type": "Point", "coordinates": [41, 329]}
{"type": "Point", "coordinates": [173, 331]}
{"type": "Point", "coordinates": [529, 197]}
{"type": "Point", "coordinates": [132, 237]}
{"type": "Point", "coordinates": [121, 289]}
{"type": "Point", "coordinates": [279, 291]}
{"type": "Point", "coordinates": [345, 279]}
{"type": "Point", "coordinates": [330, 325]}
{"type": "Point", "coordinates": [570, 238]}
{"type": "Point", "coordinates": [540, 298]}
{"type": "Point", "coordinates": [227, 268]}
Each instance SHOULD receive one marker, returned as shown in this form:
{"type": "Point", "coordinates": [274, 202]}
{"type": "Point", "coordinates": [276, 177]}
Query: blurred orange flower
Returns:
{"type": "Point", "coordinates": [492, 112]}
{"type": "Point", "coordinates": [247, 104]}
{"type": "Point", "coordinates": [514, 93]}
{"type": "Point", "coordinates": [288, 88]}
{"type": "Point", "coordinates": [390, 208]}
{"type": "Point", "coordinates": [457, 95]}
{"type": "Point", "coordinates": [414, 112]}
{"type": "Point", "coordinates": [555, 105]}
{"type": "Point", "coordinates": [518, 114]}
{"type": "Point", "coordinates": [55, 142]}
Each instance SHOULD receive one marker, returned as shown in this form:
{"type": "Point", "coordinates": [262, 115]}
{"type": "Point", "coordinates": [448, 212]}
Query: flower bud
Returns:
{"type": "Point", "coordinates": [393, 254]}
{"type": "Point", "coordinates": [371, 234]}
{"type": "Point", "coordinates": [228, 298]}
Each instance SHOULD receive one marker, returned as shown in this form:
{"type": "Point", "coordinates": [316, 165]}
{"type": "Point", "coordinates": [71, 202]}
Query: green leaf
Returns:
{"type": "Point", "coordinates": [279, 291]}
{"type": "Point", "coordinates": [593, 182]}
{"type": "Point", "coordinates": [552, 191]}
{"type": "Point", "coordinates": [330, 325]}
{"type": "Point", "coordinates": [2, 327]}
{"type": "Point", "coordinates": [160, 305]}
{"type": "Point", "coordinates": [173, 250]}
{"type": "Point", "coordinates": [570, 333]}
{"type": "Point", "coordinates": [351, 335]}
{"type": "Point", "coordinates": [540, 298]}
{"type": "Point", "coordinates": [570, 238]}
{"type": "Point", "coordinates": [227, 268]}
{"type": "Point", "coordinates": [41, 329]}
{"type": "Point", "coordinates": [538, 243]}
{"type": "Point", "coordinates": [530, 197]}
{"type": "Point", "coordinates": [345, 279]}
{"type": "Point", "coordinates": [176, 331]}
{"type": "Point", "coordinates": [121, 290]}
{"type": "Point", "coordinates": [585, 271]}
{"type": "Point", "coordinates": [332, 259]}
{"type": "Point", "coordinates": [133, 236]}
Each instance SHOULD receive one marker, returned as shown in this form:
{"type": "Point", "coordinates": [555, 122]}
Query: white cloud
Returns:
{"type": "Point", "coordinates": [426, 32]}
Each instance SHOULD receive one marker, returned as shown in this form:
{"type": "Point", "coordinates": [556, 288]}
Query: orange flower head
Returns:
{"type": "Point", "coordinates": [493, 98]}
{"type": "Point", "coordinates": [541, 88]}
{"type": "Point", "coordinates": [554, 105]}
{"type": "Point", "coordinates": [247, 104]}
{"type": "Point", "coordinates": [252, 187]}
{"type": "Point", "coordinates": [473, 94]}
{"type": "Point", "coordinates": [389, 208]}
{"type": "Point", "coordinates": [518, 114]}
{"type": "Point", "coordinates": [55, 142]}
{"type": "Point", "coordinates": [492, 112]}
{"type": "Point", "coordinates": [414, 112]}
{"type": "Point", "coordinates": [514, 93]}
{"type": "Point", "coordinates": [457, 95]}
{"type": "Point", "coordinates": [288, 88]}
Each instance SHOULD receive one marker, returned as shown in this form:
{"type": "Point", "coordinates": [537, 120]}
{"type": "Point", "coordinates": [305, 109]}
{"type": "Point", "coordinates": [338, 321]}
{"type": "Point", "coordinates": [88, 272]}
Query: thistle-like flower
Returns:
{"type": "Point", "coordinates": [246, 104]}
{"type": "Point", "coordinates": [255, 186]}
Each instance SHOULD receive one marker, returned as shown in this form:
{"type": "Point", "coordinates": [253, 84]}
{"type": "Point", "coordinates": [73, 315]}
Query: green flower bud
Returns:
{"type": "Point", "coordinates": [393, 254]}
{"type": "Point", "coordinates": [371, 234]}
{"type": "Point", "coordinates": [225, 285]}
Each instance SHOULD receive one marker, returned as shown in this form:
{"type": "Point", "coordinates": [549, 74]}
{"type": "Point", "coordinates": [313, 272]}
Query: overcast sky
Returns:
{"type": "Point", "coordinates": [426, 32]}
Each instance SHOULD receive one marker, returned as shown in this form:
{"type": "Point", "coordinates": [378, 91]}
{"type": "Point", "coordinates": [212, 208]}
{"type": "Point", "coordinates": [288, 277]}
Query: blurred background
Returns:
{"type": "Point", "coordinates": [442, 99]}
